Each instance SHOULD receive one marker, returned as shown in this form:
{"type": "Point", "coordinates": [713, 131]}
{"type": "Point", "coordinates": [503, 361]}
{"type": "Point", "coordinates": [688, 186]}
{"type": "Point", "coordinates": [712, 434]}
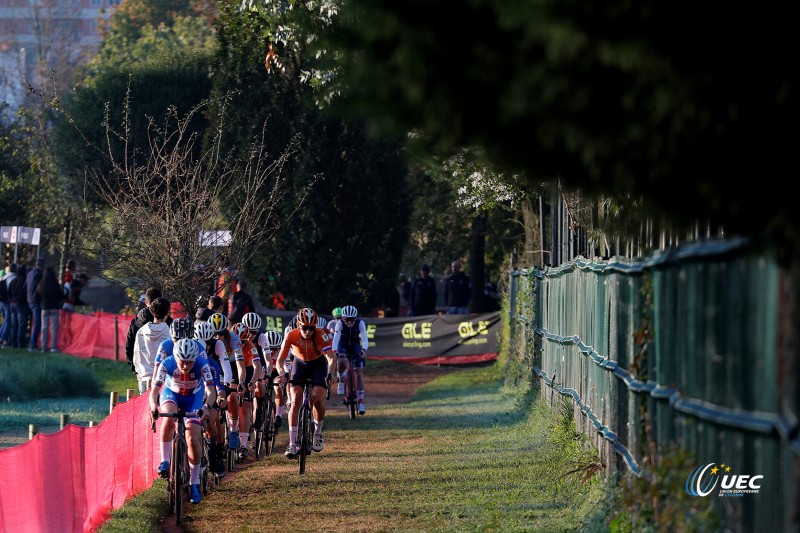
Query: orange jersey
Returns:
{"type": "Point", "coordinates": [306, 349]}
{"type": "Point", "coordinates": [249, 351]}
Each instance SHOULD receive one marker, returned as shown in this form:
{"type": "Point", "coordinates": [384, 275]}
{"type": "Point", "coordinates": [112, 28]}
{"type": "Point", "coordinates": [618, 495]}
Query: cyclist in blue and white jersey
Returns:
{"type": "Point", "coordinates": [350, 343]}
{"type": "Point", "coordinates": [183, 382]}
{"type": "Point", "coordinates": [181, 328]}
{"type": "Point", "coordinates": [252, 322]}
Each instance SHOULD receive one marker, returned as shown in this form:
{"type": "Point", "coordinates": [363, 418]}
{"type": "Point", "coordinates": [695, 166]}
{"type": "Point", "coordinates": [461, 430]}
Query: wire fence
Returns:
{"type": "Point", "coordinates": [688, 347]}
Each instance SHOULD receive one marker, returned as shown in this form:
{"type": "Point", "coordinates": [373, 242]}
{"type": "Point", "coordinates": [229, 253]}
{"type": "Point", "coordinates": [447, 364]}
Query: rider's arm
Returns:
{"type": "Point", "coordinates": [283, 354]}
{"type": "Point", "coordinates": [211, 389]}
{"type": "Point", "coordinates": [362, 329]}
{"type": "Point", "coordinates": [337, 335]}
{"type": "Point", "coordinates": [155, 390]}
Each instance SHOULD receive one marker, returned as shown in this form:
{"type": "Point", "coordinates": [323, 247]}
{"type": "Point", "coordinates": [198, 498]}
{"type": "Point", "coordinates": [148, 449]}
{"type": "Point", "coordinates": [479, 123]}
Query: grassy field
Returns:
{"type": "Point", "coordinates": [36, 388]}
{"type": "Point", "coordinates": [464, 454]}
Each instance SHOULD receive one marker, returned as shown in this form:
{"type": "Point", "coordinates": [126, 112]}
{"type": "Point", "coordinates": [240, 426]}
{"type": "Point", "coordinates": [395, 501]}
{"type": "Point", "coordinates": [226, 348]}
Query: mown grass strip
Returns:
{"type": "Point", "coordinates": [463, 455]}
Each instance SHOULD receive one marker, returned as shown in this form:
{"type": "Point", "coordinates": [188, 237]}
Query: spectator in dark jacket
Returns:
{"type": "Point", "coordinates": [35, 301]}
{"type": "Point", "coordinates": [19, 308]}
{"type": "Point", "coordinates": [457, 290]}
{"type": "Point", "coordinates": [143, 316]}
{"type": "Point", "coordinates": [242, 303]}
{"type": "Point", "coordinates": [74, 295]}
{"type": "Point", "coordinates": [215, 305]}
{"type": "Point", "coordinates": [5, 303]}
{"type": "Point", "coordinates": [52, 295]}
{"type": "Point", "coordinates": [422, 295]}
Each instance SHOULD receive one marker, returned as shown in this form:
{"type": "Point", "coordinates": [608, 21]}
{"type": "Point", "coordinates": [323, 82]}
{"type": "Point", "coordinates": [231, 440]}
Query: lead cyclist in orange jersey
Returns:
{"type": "Point", "coordinates": [313, 359]}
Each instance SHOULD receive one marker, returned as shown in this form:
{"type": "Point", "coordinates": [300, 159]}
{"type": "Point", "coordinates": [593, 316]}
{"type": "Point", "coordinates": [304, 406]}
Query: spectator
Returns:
{"type": "Point", "coordinates": [34, 301]}
{"type": "Point", "coordinates": [143, 316]}
{"type": "Point", "coordinates": [19, 308]}
{"type": "Point", "coordinates": [242, 303]}
{"type": "Point", "coordinates": [423, 293]}
{"type": "Point", "coordinates": [147, 341]}
{"type": "Point", "coordinates": [5, 302]}
{"type": "Point", "coordinates": [457, 290]}
{"type": "Point", "coordinates": [69, 273]}
{"type": "Point", "coordinates": [74, 294]}
{"type": "Point", "coordinates": [52, 298]}
{"type": "Point", "coordinates": [215, 305]}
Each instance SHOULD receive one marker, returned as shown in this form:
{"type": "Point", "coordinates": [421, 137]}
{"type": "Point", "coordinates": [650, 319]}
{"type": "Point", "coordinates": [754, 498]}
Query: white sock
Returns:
{"type": "Point", "coordinates": [243, 439]}
{"type": "Point", "coordinates": [279, 410]}
{"type": "Point", "coordinates": [292, 436]}
{"type": "Point", "coordinates": [166, 451]}
{"type": "Point", "coordinates": [234, 424]}
{"type": "Point", "coordinates": [194, 474]}
{"type": "Point", "coordinates": [318, 427]}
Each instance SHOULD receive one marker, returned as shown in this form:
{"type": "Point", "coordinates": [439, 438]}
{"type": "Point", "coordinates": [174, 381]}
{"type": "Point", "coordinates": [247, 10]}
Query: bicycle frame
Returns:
{"type": "Point", "coordinates": [350, 396]}
{"type": "Point", "coordinates": [304, 433]}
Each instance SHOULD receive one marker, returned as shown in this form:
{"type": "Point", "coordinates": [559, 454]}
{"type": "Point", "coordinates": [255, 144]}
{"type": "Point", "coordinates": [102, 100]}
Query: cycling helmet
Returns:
{"type": "Point", "coordinates": [348, 311]}
{"type": "Point", "coordinates": [274, 339]}
{"type": "Point", "coordinates": [219, 322]}
{"type": "Point", "coordinates": [321, 322]}
{"type": "Point", "coordinates": [293, 323]}
{"type": "Point", "coordinates": [203, 330]}
{"type": "Point", "coordinates": [239, 329]}
{"type": "Point", "coordinates": [337, 312]}
{"type": "Point", "coordinates": [306, 317]}
{"type": "Point", "coordinates": [181, 328]}
{"type": "Point", "coordinates": [186, 350]}
{"type": "Point", "coordinates": [251, 321]}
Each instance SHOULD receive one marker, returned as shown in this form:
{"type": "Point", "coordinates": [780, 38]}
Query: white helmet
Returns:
{"type": "Point", "coordinates": [348, 311]}
{"type": "Point", "coordinates": [203, 330]}
{"type": "Point", "coordinates": [321, 322]}
{"type": "Point", "coordinates": [186, 350]}
{"type": "Point", "coordinates": [274, 339]}
{"type": "Point", "coordinates": [251, 321]}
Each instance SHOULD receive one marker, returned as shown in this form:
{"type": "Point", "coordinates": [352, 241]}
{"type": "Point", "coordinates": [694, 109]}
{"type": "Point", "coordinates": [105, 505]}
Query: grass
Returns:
{"type": "Point", "coordinates": [36, 388]}
{"type": "Point", "coordinates": [464, 455]}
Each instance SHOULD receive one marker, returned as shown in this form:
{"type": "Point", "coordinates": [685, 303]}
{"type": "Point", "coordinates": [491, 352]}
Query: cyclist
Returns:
{"type": "Point", "coordinates": [309, 344]}
{"type": "Point", "coordinates": [253, 324]}
{"type": "Point", "coordinates": [274, 341]}
{"type": "Point", "coordinates": [350, 343]}
{"type": "Point", "coordinates": [232, 348]}
{"type": "Point", "coordinates": [188, 381]}
{"type": "Point", "coordinates": [215, 430]}
{"type": "Point", "coordinates": [181, 328]}
{"type": "Point", "coordinates": [253, 371]}
{"type": "Point", "coordinates": [337, 317]}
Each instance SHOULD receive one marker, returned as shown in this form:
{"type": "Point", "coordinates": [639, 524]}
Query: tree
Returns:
{"type": "Point", "coordinates": [623, 99]}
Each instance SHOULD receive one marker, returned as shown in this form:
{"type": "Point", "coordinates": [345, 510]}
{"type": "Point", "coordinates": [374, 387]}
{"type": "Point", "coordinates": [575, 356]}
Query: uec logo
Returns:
{"type": "Point", "coordinates": [695, 486]}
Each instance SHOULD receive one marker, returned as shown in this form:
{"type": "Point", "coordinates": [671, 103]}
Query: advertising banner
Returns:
{"type": "Point", "coordinates": [430, 339]}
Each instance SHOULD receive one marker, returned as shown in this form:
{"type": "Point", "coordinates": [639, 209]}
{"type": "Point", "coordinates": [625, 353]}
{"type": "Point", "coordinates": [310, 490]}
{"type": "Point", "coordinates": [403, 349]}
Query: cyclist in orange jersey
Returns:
{"type": "Point", "coordinates": [253, 371]}
{"type": "Point", "coordinates": [313, 359]}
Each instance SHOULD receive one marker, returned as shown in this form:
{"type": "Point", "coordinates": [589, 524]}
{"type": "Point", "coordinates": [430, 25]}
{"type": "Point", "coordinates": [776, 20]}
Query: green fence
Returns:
{"type": "Point", "coordinates": [687, 348]}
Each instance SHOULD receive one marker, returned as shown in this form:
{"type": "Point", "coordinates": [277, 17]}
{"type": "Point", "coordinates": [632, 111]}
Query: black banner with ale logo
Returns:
{"type": "Point", "coordinates": [430, 339]}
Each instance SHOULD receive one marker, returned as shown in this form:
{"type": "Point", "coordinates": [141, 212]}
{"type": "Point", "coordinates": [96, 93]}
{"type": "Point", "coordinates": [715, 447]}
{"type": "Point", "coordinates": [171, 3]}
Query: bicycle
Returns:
{"type": "Point", "coordinates": [350, 399]}
{"type": "Point", "coordinates": [265, 434]}
{"type": "Point", "coordinates": [178, 482]}
{"type": "Point", "coordinates": [304, 426]}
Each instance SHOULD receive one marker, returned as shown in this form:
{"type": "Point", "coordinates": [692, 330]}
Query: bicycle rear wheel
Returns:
{"type": "Point", "coordinates": [204, 466]}
{"type": "Point", "coordinates": [304, 436]}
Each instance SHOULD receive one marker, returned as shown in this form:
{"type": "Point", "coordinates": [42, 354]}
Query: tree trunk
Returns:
{"type": "Point", "coordinates": [477, 261]}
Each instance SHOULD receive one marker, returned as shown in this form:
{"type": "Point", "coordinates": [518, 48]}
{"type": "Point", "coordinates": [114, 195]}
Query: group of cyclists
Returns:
{"type": "Point", "coordinates": [220, 370]}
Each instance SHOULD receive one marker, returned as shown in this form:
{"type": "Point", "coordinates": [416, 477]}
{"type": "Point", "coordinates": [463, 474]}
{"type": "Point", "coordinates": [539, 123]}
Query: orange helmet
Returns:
{"type": "Point", "coordinates": [239, 329]}
{"type": "Point", "coordinates": [307, 317]}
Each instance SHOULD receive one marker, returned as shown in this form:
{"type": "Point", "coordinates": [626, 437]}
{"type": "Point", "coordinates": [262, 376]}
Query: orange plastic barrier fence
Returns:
{"type": "Point", "coordinates": [73, 479]}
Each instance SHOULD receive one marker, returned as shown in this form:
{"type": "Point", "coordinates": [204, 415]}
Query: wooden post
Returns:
{"type": "Point", "coordinates": [92, 423]}
{"type": "Point", "coordinates": [114, 401]}
{"type": "Point", "coordinates": [116, 338]}
{"type": "Point", "coordinates": [33, 429]}
{"type": "Point", "coordinates": [64, 420]}
{"type": "Point", "coordinates": [129, 393]}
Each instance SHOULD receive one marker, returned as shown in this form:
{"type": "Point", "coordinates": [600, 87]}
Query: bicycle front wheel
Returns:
{"type": "Point", "coordinates": [269, 429]}
{"type": "Point", "coordinates": [178, 480]}
{"type": "Point", "coordinates": [350, 394]}
{"type": "Point", "coordinates": [304, 436]}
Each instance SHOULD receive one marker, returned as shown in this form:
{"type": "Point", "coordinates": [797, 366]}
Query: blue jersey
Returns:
{"type": "Point", "coordinates": [189, 384]}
